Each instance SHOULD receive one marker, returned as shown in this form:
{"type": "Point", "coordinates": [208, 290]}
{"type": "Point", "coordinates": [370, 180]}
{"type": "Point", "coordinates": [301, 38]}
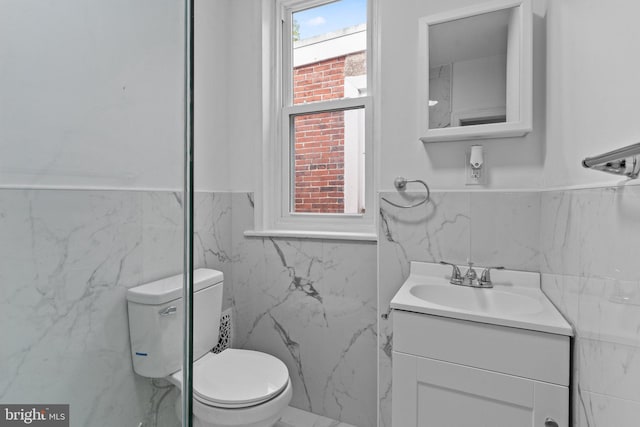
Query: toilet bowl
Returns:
{"type": "Point", "coordinates": [237, 388]}
{"type": "Point", "coordinates": [232, 388]}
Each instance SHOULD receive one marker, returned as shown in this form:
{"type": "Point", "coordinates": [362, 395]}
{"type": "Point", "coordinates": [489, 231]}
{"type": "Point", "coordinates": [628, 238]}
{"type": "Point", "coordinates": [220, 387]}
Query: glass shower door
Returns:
{"type": "Point", "coordinates": [92, 137]}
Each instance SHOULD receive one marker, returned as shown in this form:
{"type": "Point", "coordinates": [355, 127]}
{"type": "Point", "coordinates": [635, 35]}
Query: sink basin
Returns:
{"type": "Point", "coordinates": [478, 300]}
{"type": "Point", "coordinates": [515, 300]}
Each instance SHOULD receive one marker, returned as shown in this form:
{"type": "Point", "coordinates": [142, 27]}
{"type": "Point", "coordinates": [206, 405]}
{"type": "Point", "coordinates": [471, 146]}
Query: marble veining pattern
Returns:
{"type": "Point", "coordinates": [590, 272]}
{"type": "Point", "coordinates": [68, 257]}
{"type": "Point", "coordinates": [505, 229]}
{"type": "Point", "coordinates": [312, 303]}
{"type": "Point", "coordinates": [162, 230]}
{"type": "Point", "coordinates": [455, 227]}
{"type": "Point", "coordinates": [74, 253]}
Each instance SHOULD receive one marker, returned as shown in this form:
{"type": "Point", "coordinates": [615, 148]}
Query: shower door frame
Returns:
{"type": "Point", "coordinates": [188, 193]}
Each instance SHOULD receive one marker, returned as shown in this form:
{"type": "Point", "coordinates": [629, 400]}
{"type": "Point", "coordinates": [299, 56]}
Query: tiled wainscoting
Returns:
{"type": "Point", "coordinates": [70, 255]}
{"type": "Point", "coordinates": [311, 303]}
{"type": "Point", "coordinates": [491, 228]}
{"type": "Point", "coordinates": [590, 264]}
{"type": "Point", "coordinates": [582, 241]}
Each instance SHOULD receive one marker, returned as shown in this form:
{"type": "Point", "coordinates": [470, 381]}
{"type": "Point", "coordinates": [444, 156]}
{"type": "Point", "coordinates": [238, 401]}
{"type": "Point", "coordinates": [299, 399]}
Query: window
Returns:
{"type": "Point", "coordinates": [322, 176]}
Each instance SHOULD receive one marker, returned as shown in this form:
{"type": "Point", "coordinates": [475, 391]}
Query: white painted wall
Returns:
{"type": "Point", "coordinates": [511, 163]}
{"type": "Point", "coordinates": [586, 97]}
{"type": "Point", "coordinates": [212, 96]}
{"type": "Point", "coordinates": [245, 86]}
{"type": "Point", "coordinates": [479, 83]}
{"type": "Point", "coordinates": [92, 94]}
{"type": "Point", "coordinates": [593, 89]}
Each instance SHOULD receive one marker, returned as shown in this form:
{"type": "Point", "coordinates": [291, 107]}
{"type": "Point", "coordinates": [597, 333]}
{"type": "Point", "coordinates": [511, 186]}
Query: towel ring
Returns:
{"type": "Point", "coordinates": [401, 184]}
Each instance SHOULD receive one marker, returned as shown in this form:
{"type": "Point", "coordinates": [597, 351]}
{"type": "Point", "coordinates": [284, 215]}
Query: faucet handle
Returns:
{"type": "Point", "coordinates": [456, 276]}
{"type": "Point", "coordinates": [471, 273]}
{"type": "Point", "coordinates": [485, 278]}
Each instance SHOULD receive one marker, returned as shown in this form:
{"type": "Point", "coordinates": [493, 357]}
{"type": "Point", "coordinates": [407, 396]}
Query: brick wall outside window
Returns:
{"type": "Point", "coordinates": [319, 137]}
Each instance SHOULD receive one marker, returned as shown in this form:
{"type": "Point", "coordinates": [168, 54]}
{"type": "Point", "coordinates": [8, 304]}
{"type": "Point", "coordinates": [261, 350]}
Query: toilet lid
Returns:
{"type": "Point", "coordinates": [238, 378]}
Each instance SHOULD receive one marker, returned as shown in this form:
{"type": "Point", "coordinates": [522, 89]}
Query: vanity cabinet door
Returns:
{"type": "Point", "coordinates": [431, 393]}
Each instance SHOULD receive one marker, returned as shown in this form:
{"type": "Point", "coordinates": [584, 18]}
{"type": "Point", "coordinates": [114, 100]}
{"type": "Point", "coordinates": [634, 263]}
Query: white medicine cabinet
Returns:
{"type": "Point", "coordinates": [475, 72]}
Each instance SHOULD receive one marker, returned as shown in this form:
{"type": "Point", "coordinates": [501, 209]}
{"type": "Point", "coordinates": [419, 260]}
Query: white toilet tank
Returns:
{"type": "Point", "coordinates": [156, 319]}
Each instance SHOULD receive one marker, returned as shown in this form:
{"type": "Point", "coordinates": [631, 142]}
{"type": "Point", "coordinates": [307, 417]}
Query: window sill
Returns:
{"type": "Point", "coordinates": [322, 235]}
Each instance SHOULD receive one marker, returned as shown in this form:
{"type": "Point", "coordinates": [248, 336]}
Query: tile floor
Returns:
{"type": "Point", "coordinates": [294, 417]}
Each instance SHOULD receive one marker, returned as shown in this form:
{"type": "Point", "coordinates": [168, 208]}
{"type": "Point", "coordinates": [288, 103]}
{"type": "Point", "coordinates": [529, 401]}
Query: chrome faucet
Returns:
{"type": "Point", "coordinates": [470, 278]}
{"type": "Point", "coordinates": [456, 277]}
{"type": "Point", "coordinates": [485, 278]}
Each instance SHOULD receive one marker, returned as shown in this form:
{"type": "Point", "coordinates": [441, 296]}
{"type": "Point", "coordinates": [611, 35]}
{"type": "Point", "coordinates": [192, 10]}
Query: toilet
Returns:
{"type": "Point", "coordinates": [233, 388]}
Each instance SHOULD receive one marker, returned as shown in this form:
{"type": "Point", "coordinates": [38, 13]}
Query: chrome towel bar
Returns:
{"type": "Point", "coordinates": [623, 161]}
{"type": "Point", "coordinates": [401, 184]}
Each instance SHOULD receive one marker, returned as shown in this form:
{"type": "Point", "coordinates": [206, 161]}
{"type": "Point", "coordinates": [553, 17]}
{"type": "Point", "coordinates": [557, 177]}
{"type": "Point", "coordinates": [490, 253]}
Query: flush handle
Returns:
{"type": "Point", "coordinates": [167, 311]}
{"type": "Point", "coordinates": [550, 422]}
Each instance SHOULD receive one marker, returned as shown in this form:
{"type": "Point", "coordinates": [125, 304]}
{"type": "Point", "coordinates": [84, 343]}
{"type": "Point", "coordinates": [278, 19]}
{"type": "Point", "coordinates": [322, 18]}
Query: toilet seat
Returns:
{"type": "Point", "coordinates": [262, 415]}
{"type": "Point", "coordinates": [237, 378]}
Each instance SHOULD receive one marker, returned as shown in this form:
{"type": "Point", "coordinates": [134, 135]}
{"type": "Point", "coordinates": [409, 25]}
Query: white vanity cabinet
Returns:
{"type": "Point", "coordinates": [458, 373]}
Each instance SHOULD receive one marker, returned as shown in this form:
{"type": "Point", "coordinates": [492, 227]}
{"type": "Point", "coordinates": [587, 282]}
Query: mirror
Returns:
{"type": "Point", "coordinates": [475, 73]}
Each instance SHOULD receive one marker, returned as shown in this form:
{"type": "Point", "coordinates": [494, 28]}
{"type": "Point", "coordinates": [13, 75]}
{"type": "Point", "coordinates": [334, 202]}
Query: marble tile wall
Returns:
{"type": "Point", "coordinates": [312, 303]}
{"type": "Point", "coordinates": [67, 258]}
{"type": "Point", "coordinates": [590, 270]}
{"type": "Point", "coordinates": [491, 228]}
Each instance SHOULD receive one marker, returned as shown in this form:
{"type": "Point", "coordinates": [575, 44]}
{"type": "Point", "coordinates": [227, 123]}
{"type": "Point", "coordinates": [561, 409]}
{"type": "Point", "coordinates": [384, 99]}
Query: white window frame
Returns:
{"type": "Point", "coordinates": [273, 205]}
